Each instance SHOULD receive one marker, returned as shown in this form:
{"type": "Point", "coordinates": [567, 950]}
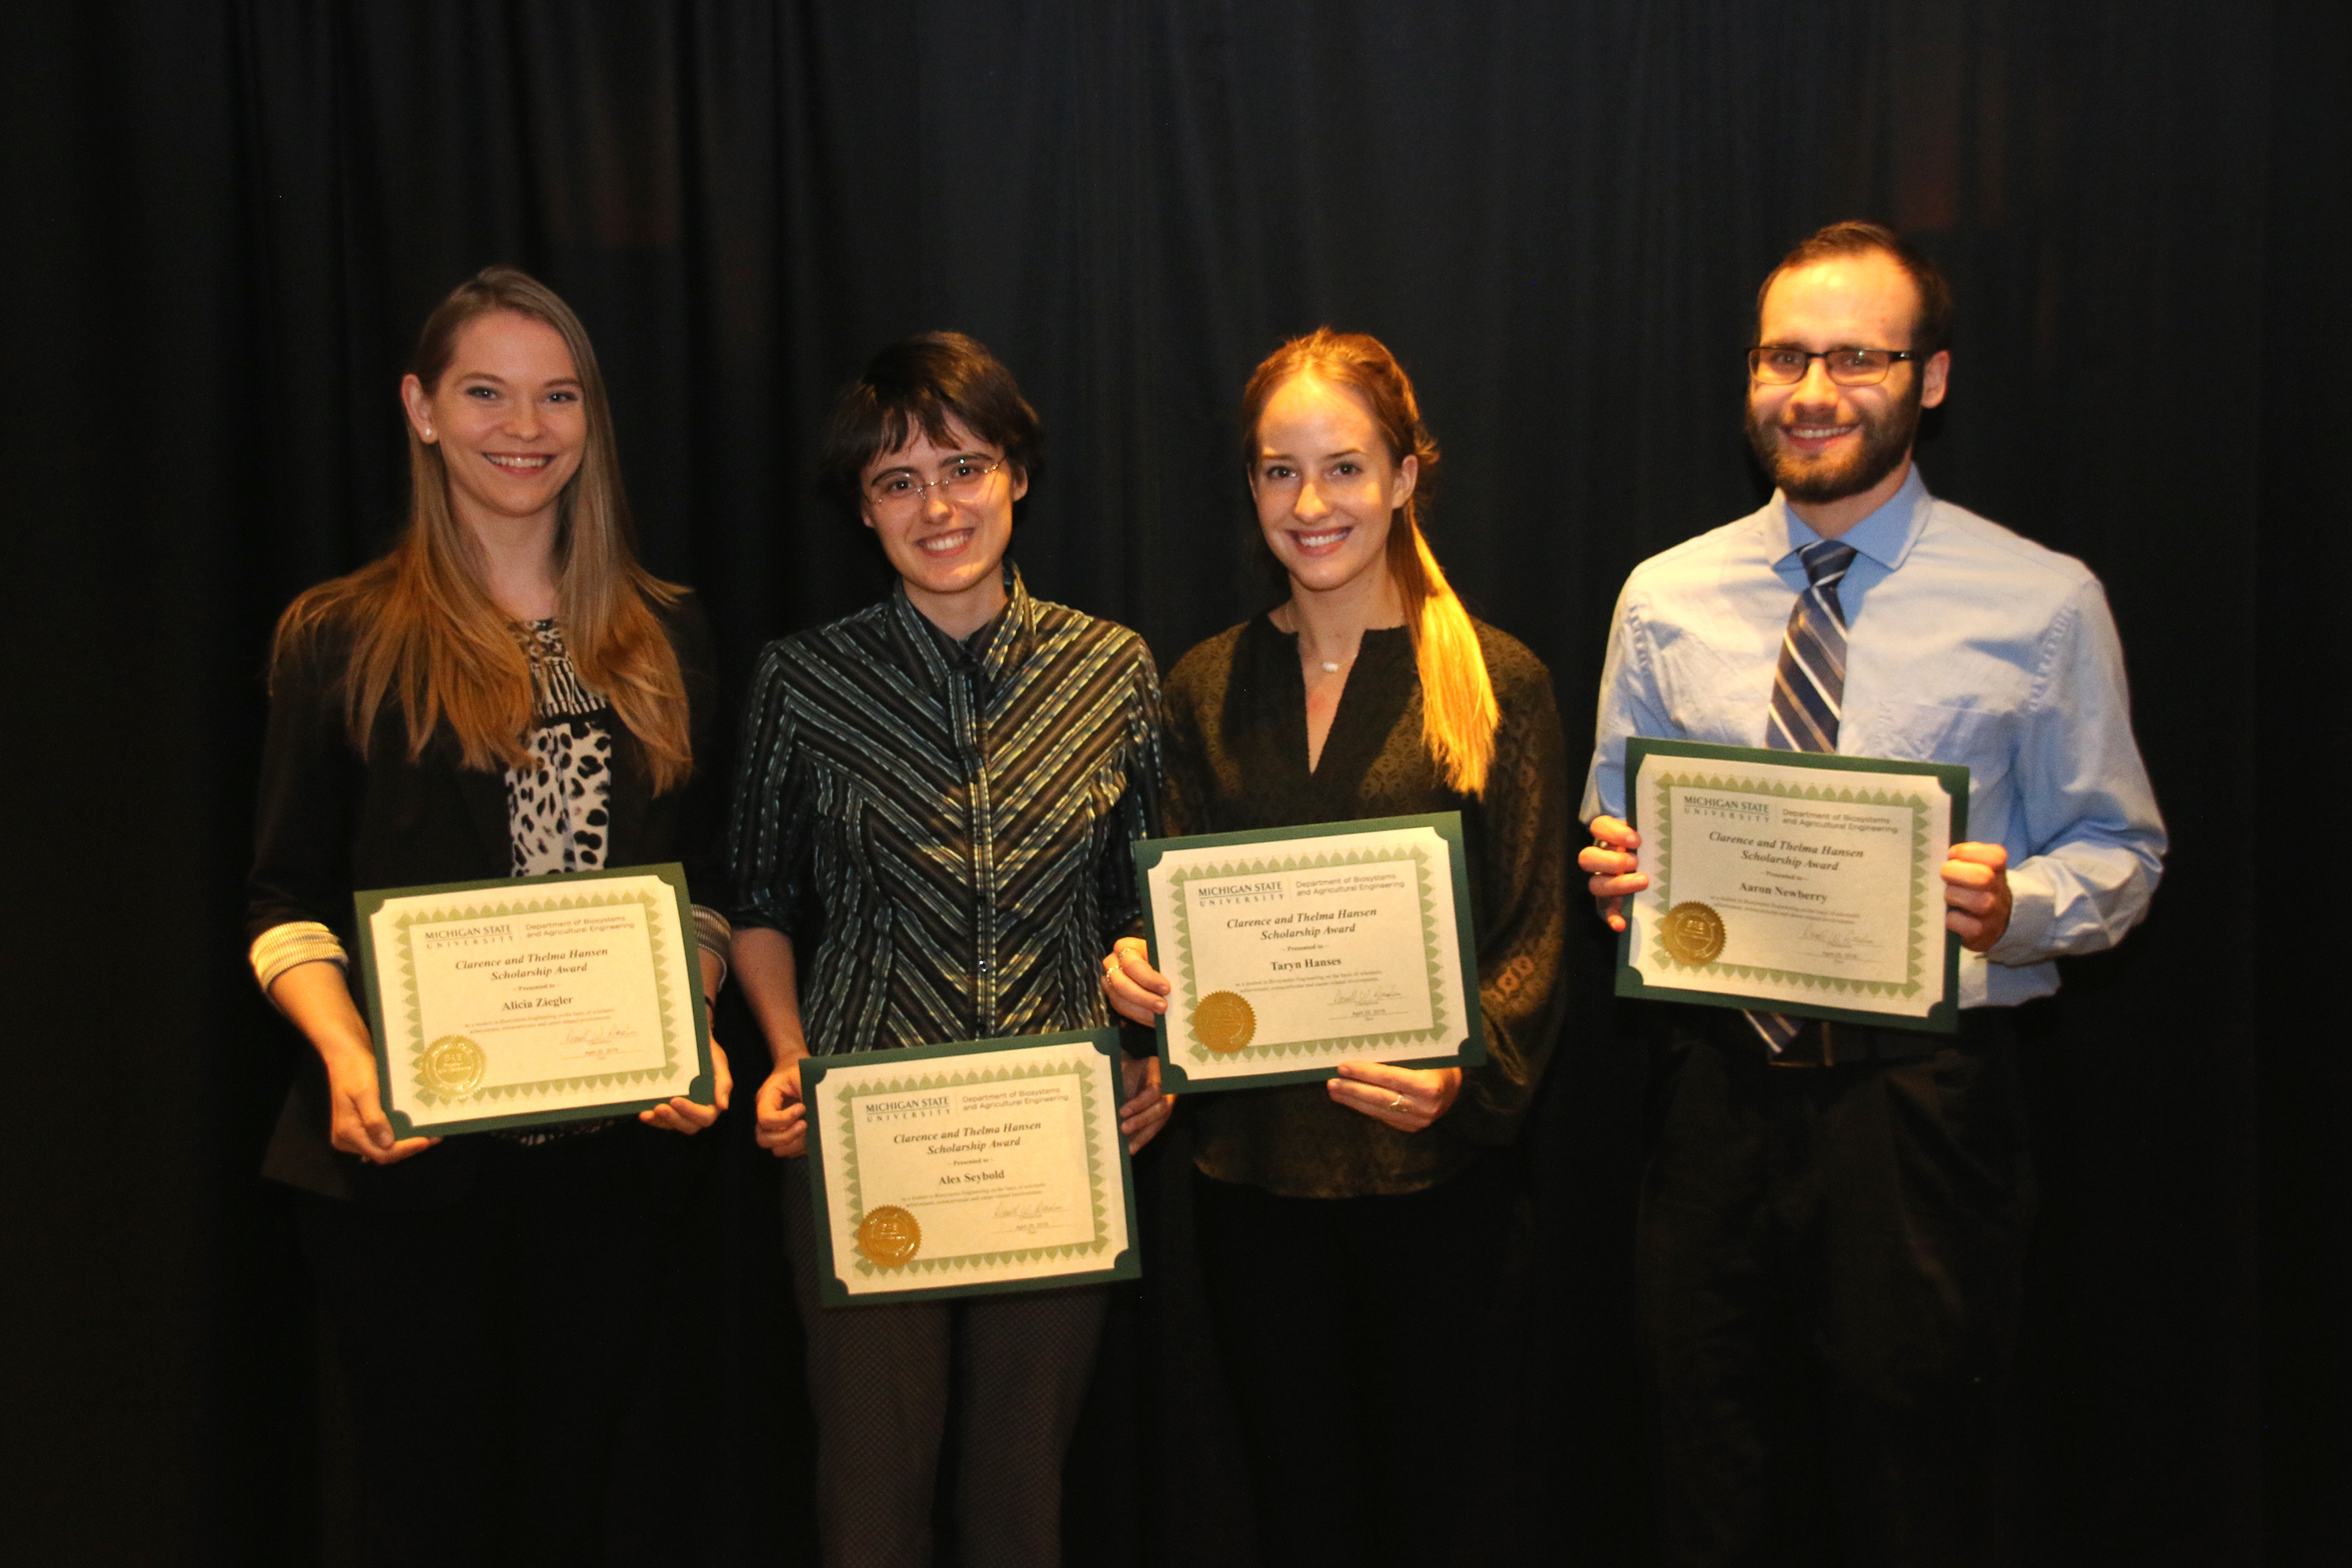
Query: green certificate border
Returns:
{"type": "Point", "coordinates": [533, 895]}
{"type": "Point", "coordinates": [1447, 824]}
{"type": "Point", "coordinates": [954, 1074]}
{"type": "Point", "coordinates": [1943, 1018]}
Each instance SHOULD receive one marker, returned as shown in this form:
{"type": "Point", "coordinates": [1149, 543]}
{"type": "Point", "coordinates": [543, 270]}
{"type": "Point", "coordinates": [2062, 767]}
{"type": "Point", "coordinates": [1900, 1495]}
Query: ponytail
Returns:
{"type": "Point", "coordinates": [1459, 715]}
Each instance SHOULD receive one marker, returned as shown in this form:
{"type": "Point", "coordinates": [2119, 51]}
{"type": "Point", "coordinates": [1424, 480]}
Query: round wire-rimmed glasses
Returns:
{"type": "Point", "coordinates": [1775, 365]}
{"type": "Point", "coordinates": [960, 479]}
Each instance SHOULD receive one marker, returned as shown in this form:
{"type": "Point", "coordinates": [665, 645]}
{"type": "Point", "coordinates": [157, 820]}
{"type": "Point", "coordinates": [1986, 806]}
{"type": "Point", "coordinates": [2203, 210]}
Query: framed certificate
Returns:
{"type": "Point", "coordinates": [520, 1001]}
{"type": "Point", "coordinates": [1294, 949]}
{"type": "Point", "coordinates": [968, 1169]}
{"type": "Point", "coordinates": [1794, 882]}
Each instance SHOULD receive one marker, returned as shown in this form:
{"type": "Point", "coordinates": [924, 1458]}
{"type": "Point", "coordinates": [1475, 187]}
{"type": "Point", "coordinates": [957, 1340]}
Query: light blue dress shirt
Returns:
{"type": "Point", "coordinates": [1966, 643]}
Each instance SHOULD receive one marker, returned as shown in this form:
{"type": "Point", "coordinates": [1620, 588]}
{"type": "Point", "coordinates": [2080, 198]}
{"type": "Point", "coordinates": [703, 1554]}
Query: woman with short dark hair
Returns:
{"type": "Point", "coordinates": [930, 844]}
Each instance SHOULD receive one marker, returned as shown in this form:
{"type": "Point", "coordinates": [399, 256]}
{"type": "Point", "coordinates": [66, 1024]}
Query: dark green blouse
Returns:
{"type": "Point", "coordinates": [1236, 760]}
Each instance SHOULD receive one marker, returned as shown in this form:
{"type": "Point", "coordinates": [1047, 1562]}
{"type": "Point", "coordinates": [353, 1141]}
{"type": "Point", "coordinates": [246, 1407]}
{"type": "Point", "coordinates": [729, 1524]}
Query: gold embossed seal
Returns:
{"type": "Point", "coordinates": [453, 1066]}
{"type": "Point", "coordinates": [1224, 1022]}
{"type": "Point", "coordinates": [1691, 934]}
{"type": "Point", "coordinates": [889, 1235]}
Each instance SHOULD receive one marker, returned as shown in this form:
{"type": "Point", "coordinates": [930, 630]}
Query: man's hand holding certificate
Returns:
{"type": "Point", "coordinates": [1803, 883]}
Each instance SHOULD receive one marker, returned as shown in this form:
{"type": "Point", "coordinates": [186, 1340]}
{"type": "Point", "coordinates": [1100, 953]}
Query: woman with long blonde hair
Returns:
{"type": "Point", "coordinates": [507, 692]}
{"type": "Point", "coordinates": [1351, 1228]}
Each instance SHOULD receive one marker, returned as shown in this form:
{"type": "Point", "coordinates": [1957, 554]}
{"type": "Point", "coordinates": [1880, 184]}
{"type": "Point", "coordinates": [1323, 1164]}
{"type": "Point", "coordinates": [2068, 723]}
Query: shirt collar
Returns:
{"type": "Point", "coordinates": [992, 651]}
{"type": "Point", "coordinates": [1885, 536]}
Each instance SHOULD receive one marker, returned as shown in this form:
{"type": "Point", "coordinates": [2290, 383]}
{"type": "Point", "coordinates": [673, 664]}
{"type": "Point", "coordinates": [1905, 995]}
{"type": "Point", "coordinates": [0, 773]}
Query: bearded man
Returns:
{"type": "Point", "coordinates": [1833, 1225]}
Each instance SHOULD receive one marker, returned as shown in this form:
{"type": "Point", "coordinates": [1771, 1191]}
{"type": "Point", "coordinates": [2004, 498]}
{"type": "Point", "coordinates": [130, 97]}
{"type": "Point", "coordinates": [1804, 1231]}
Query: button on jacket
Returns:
{"type": "Point", "coordinates": [943, 828]}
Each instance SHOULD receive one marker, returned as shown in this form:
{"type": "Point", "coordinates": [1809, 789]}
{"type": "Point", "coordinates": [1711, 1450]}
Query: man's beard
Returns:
{"type": "Point", "coordinates": [1885, 439]}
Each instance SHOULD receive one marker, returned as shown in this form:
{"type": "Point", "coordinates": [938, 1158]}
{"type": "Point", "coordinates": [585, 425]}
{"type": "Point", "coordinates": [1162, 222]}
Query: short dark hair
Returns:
{"type": "Point", "coordinates": [1931, 330]}
{"type": "Point", "coordinates": [919, 384]}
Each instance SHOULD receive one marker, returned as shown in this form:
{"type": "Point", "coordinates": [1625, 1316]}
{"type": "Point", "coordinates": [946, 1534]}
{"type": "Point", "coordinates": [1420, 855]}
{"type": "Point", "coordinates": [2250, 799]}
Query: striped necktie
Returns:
{"type": "Point", "coordinates": [1808, 694]}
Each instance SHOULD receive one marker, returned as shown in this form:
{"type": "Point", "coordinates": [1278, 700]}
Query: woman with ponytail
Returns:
{"type": "Point", "coordinates": [507, 692]}
{"type": "Point", "coordinates": [1351, 1229]}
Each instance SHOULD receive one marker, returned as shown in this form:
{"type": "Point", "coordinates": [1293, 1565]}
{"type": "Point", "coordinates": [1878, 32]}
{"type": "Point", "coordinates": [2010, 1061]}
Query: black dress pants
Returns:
{"type": "Point", "coordinates": [879, 1376]}
{"type": "Point", "coordinates": [1828, 1273]}
{"type": "Point", "coordinates": [495, 1347]}
{"type": "Point", "coordinates": [1357, 1336]}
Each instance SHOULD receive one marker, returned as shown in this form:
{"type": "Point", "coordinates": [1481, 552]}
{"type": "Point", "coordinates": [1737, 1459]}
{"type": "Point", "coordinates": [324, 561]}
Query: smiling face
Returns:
{"type": "Point", "coordinates": [1326, 486]}
{"type": "Point", "coordinates": [508, 418]}
{"type": "Point", "coordinates": [947, 545]}
{"type": "Point", "coordinates": [1831, 447]}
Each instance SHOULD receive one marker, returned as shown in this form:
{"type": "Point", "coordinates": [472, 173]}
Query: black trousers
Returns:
{"type": "Point", "coordinates": [496, 1346]}
{"type": "Point", "coordinates": [1830, 1266]}
{"type": "Point", "coordinates": [1357, 1337]}
{"type": "Point", "coordinates": [880, 1375]}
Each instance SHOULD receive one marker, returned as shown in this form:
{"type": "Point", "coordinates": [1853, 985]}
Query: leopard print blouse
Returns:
{"type": "Point", "coordinates": [556, 816]}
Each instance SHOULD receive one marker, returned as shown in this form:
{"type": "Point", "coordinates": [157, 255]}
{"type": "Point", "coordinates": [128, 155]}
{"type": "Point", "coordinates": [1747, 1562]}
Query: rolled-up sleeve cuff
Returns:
{"type": "Point", "coordinates": [282, 947]}
{"type": "Point", "coordinates": [714, 935]}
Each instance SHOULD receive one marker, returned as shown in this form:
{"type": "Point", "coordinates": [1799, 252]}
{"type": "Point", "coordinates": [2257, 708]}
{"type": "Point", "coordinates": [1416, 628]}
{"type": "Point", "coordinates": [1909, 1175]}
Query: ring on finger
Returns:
{"type": "Point", "coordinates": [1397, 1104]}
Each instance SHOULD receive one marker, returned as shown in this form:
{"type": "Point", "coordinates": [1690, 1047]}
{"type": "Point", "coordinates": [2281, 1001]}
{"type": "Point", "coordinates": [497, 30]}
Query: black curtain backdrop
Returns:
{"type": "Point", "coordinates": [224, 224]}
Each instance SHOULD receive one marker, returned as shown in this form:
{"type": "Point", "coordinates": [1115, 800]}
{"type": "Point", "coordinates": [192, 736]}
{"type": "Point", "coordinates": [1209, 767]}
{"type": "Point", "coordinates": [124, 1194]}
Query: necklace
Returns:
{"type": "Point", "coordinates": [1329, 666]}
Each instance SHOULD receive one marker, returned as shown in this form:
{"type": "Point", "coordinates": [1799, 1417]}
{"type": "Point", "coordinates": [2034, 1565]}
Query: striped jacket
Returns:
{"type": "Point", "coordinates": [943, 828]}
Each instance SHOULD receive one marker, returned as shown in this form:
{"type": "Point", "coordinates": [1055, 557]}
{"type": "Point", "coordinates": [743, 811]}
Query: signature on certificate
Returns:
{"type": "Point", "coordinates": [1031, 1216]}
{"type": "Point", "coordinates": [609, 1034]}
{"type": "Point", "coordinates": [1819, 938]}
{"type": "Point", "coordinates": [1367, 1001]}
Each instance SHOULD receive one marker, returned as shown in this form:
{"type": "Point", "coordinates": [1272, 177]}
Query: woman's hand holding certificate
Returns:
{"type": "Point", "coordinates": [1407, 1099]}
{"type": "Point", "coordinates": [969, 1167]}
{"type": "Point", "coordinates": [1289, 951]}
{"type": "Point", "coordinates": [515, 1002]}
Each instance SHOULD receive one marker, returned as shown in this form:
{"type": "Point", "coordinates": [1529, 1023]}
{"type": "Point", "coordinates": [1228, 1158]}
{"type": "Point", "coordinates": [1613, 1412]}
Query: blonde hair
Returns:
{"type": "Point", "coordinates": [1459, 715]}
{"type": "Point", "coordinates": [424, 632]}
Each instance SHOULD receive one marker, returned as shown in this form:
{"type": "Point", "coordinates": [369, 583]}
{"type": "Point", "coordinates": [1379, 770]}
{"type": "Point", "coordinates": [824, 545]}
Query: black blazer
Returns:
{"type": "Point", "coordinates": [330, 822]}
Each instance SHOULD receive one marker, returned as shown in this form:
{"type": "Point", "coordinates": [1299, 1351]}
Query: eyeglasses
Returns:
{"type": "Point", "coordinates": [960, 480]}
{"type": "Point", "coordinates": [1848, 367]}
